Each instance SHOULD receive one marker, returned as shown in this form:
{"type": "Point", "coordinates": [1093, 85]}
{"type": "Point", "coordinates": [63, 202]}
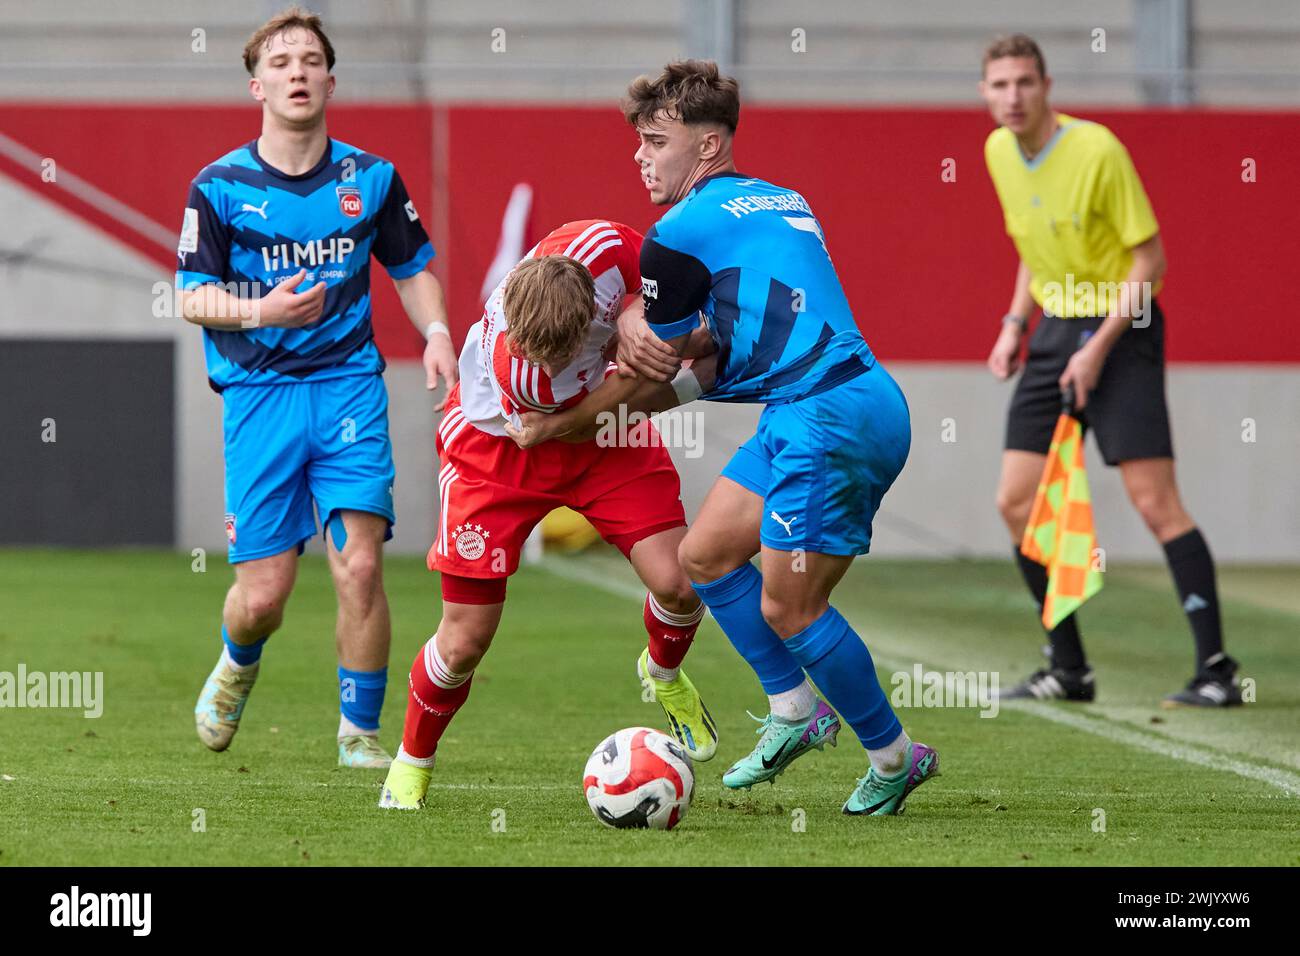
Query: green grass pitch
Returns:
{"type": "Point", "coordinates": [1022, 789]}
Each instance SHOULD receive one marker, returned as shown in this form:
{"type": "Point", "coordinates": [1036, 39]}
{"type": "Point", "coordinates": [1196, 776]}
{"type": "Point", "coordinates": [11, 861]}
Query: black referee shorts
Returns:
{"type": "Point", "coordinates": [1127, 410]}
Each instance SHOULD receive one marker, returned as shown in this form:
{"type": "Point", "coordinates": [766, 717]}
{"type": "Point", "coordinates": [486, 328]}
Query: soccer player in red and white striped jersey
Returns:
{"type": "Point", "coordinates": [498, 385]}
{"type": "Point", "coordinates": [542, 346]}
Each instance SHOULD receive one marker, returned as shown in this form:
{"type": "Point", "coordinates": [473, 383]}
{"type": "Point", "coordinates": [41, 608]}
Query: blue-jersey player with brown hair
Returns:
{"type": "Point", "coordinates": [751, 259]}
{"type": "Point", "coordinates": [274, 264]}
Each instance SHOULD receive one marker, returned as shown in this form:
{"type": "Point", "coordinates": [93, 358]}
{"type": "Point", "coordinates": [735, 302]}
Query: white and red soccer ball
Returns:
{"type": "Point", "coordinates": [639, 778]}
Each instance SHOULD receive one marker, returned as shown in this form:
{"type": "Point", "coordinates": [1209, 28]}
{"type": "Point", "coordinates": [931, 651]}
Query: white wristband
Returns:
{"type": "Point", "coordinates": [436, 326]}
{"type": "Point", "coordinates": [687, 387]}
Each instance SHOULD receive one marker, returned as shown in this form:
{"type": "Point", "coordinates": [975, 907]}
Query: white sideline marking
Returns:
{"type": "Point", "coordinates": [361, 785]}
{"type": "Point", "coordinates": [1099, 726]}
{"type": "Point", "coordinates": [1105, 727]}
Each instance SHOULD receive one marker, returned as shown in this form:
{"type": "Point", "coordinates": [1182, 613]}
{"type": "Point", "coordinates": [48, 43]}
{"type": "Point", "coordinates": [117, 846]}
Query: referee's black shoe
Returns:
{"type": "Point", "coordinates": [1215, 685]}
{"type": "Point", "coordinates": [1054, 684]}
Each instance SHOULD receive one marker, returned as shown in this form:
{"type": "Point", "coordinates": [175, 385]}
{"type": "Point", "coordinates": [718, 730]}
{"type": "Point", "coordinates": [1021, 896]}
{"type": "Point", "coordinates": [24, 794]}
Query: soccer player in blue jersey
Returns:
{"type": "Point", "coordinates": [752, 259]}
{"type": "Point", "coordinates": [274, 264]}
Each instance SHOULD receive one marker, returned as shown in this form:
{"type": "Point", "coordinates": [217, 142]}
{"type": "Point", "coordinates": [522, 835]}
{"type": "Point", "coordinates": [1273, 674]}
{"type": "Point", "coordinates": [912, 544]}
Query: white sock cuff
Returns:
{"type": "Point", "coordinates": [437, 668]}
{"type": "Point", "coordinates": [232, 663]}
{"type": "Point", "coordinates": [348, 729]}
{"type": "Point", "coordinates": [404, 757]}
{"type": "Point", "coordinates": [669, 617]}
{"type": "Point", "coordinates": [796, 703]}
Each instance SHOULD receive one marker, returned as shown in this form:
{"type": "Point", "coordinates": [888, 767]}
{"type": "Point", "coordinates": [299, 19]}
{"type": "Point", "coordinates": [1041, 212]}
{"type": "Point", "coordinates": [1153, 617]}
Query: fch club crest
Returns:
{"type": "Point", "coordinates": [349, 201]}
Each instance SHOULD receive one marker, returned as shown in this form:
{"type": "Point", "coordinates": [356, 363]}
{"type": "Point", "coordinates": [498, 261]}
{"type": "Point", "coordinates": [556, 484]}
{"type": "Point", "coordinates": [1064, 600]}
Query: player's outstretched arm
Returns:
{"type": "Point", "coordinates": [582, 422]}
{"type": "Point", "coordinates": [426, 307]}
{"type": "Point", "coordinates": [213, 307]}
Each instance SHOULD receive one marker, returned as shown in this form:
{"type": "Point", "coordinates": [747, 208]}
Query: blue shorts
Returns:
{"type": "Point", "coordinates": [294, 445]}
{"type": "Point", "coordinates": [822, 464]}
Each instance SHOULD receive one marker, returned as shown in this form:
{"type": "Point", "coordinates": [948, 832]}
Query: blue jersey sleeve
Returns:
{"type": "Point", "coordinates": [401, 244]}
{"type": "Point", "coordinates": [204, 248]}
{"type": "Point", "coordinates": [674, 285]}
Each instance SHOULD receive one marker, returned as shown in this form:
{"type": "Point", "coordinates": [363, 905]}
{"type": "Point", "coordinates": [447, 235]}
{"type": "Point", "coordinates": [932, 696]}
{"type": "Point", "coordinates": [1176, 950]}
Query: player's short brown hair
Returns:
{"type": "Point", "coordinates": [692, 91]}
{"type": "Point", "coordinates": [1017, 44]}
{"type": "Point", "coordinates": [292, 18]}
{"type": "Point", "coordinates": [549, 303]}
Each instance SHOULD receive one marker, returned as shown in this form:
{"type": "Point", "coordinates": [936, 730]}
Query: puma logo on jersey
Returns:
{"type": "Point", "coordinates": [260, 210]}
{"type": "Point", "coordinates": [785, 524]}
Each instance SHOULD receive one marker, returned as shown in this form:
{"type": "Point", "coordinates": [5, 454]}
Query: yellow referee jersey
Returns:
{"type": "Point", "coordinates": [1074, 211]}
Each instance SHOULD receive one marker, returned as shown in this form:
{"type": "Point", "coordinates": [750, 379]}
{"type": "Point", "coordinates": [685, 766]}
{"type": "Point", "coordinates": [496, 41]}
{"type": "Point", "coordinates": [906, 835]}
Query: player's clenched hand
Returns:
{"type": "Point", "coordinates": [282, 308]}
{"type": "Point", "coordinates": [534, 428]}
{"type": "Point", "coordinates": [1004, 360]}
{"type": "Point", "coordinates": [440, 362]}
{"type": "Point", "coordinates": [643, 352]}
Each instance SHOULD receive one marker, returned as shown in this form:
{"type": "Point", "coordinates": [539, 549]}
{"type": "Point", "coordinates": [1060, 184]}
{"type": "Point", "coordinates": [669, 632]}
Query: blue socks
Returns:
{"type": "Point", "coordinates": [361, 693]}
{"type": "Point", "coordinates": [361, 696]}
{"type": "Point", "coordinates": [734, 600]}
{"type": "Point", "coordinates": [841, 667]}
{"type": "Point", "coordinates": [245, 655]}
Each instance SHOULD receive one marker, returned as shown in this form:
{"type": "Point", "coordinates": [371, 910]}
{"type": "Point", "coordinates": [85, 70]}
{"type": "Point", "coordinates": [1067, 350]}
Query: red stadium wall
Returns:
{"type": "Point", "coordinates": [925, 263]}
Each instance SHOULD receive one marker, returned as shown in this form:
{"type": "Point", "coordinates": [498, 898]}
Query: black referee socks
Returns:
{"type": "Point", "coordinates": [1067, 648]}
{"type": "Point", "coordinates": [1193, 570]}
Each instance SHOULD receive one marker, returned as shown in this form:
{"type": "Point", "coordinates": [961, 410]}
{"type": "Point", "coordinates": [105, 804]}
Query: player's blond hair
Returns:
{"type": "Point", "coordinates": [1017, 44]}
{"type": "Point", "coordinates": [549, 303]}
{"type": "Point", "coordinates": [292, 18]}
{"type": "Point", "coordinates": [693, 91]}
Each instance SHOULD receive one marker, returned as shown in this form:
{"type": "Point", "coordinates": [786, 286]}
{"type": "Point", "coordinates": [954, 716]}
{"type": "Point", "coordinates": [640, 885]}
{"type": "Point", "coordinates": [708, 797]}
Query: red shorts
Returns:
{"type": "Point", "coordinates": [493, 493]}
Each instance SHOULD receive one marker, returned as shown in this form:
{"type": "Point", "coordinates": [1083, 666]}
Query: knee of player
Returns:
{"type": "Point", "coordinates": [462, 650]}
{"type": "Point", "coordinates": [265, 608]}
{"type": "Point", "coordinates": [787, 618]}
{"type": "Point", "coordinates": [698, 564]}
{"type": "Point", "coordinates": [360, 573]}
{"type": "Point", "coordinates": [677, 597]}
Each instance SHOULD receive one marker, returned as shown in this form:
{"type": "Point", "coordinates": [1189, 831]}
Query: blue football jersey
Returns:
{"type": "Point", "coordinates": [751, 257]}
{"type": "Point", "coordinates": [251, 224]}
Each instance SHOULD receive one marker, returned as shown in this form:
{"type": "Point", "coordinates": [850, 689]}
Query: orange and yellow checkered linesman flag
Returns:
{"type": "Point", "coordinates": [1060, 533]}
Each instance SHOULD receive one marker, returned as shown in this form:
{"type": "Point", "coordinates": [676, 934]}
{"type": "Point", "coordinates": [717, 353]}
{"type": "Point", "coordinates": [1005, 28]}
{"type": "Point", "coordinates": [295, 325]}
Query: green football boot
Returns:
{"type": "Point", "coordinates": [688, 718]}
{"type": "Point", "coordinates": [405, 787]}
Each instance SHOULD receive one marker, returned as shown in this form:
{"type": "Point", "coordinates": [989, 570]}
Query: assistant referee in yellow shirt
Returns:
{"type": "Point", "coordinates": [1091, 258]}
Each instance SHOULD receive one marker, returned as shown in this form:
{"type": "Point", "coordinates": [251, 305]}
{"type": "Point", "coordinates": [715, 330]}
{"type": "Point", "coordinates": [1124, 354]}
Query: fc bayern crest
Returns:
{"type": "Point", "coordinates": [230, 528]}
{"type": "Point", "coordinates": [349, 200]}
{"type": "Point", "coordinates": [471, 541]}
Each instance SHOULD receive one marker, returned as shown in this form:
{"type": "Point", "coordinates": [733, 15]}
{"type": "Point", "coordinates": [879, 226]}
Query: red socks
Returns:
{"type": "Point", "coordinates": [436, 693]}
{"type": "Point", "coordinates": [670, 634]}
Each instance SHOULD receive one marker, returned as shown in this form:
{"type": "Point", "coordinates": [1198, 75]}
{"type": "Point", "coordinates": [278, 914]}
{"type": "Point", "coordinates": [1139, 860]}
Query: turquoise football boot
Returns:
{"type": "Point", "coordinates": [879, 796]}
{"type": "Point", "coordinates": [780, 743]}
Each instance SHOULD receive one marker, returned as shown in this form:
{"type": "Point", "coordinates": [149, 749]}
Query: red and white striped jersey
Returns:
{"type": "Point", "coordinates": [496, 386]}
